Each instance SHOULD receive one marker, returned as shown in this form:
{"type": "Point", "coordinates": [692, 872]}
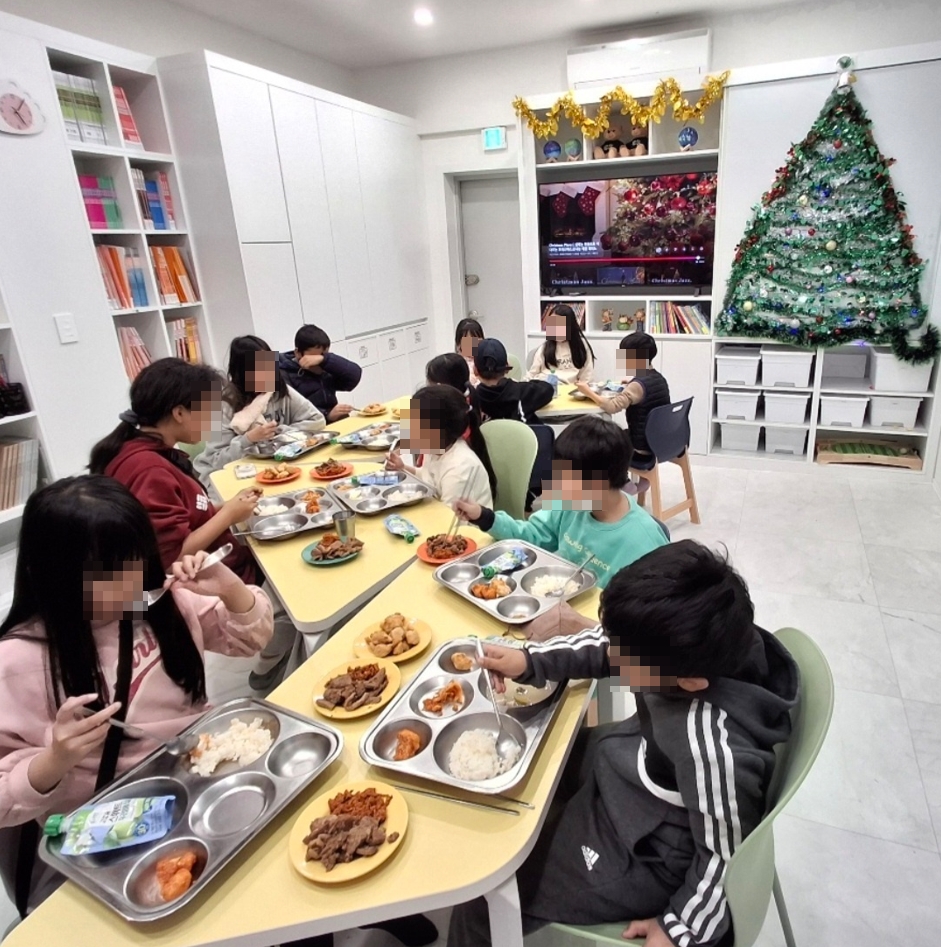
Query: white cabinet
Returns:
{"type": "Point", "coordinates": [370, 387]}
{"type": "Point", "coordinates": [686, 365]}
{"type": "Point", "coordinates": [417, 360]}
{"type": "Point", "coordinates": [246, 131]}
{"type": "Point", "coordinates": [392, 344]}
{"type": "Point", "coordinates": [347, 218]}
{"type": "Point", "coordinates": [272, 292]}
{"type": "Point", "coordinates": [395, 373]}
{"type": "Point", "coordinates": [417, 337]}
{"type": "Point", "coordinates": [364, 350]}
{"type": "Point", "coordinates": [305, 189]}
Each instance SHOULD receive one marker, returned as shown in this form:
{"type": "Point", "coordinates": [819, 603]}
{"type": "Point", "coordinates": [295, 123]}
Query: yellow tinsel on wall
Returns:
{"type": "Point", "coordinates": [667, 94]}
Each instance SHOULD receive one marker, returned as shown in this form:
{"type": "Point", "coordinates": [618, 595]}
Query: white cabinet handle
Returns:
{"type": "Point", "coordinates": [392, 345]}
{"type": "Point", "coordinates": [363, 351]}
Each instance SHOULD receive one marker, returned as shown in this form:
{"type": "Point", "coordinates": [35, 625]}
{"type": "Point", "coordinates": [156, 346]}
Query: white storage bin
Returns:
{"type": "Point", "coordinates": [785, 409]}
{"type": "Point", "coordinates": [737, 405]}
{"type": "Point", "coordinates": [842, 410]}
{"type": "Point", "coordinates": [785, 440]}
{"type": "Point", "coordinates": [894, 412]}
{"type": "Point", "coordinates": [740, 436]}
{"type": "Point", "coordinates": [786, 366]}
{"type": "Point", "coordinates": [891, 374]}
{"type": "Point", "coordinates": [845, 363]}
{"type": "Point", "coordinates": [737, 365]}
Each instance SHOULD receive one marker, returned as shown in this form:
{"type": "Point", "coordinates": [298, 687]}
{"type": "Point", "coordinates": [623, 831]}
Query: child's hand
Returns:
{"type": "Point", "coordinates": [583, 387]}
{"type": "Point", "coordinates": [218, 580]}
{"type": "Point", "coordinates": [311, 361]}
{"type": "Point", "coordinates": [262, 432]}
{"type": "Point", "coordinates": [75, 736]}
{"type": "Point", "coordinates": [339, 412]}
{"type": "Point", "coordinates": [502, 663]}
{"type": "Point", "coordinates": [650, 930]}
{"type": "Point", "coordinates": [394, 460]}
{"type": "Point", "coordinates": [468, 511]}
{"type": "Point", "coordinates": [242, 505]}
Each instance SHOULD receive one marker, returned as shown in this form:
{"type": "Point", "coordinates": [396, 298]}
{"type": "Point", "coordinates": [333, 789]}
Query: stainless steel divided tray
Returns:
{"type": "Point", "coordinates": [438, 733]}
{"type": "Point", "coordinates": [522, 604]}
{"type": "Point", "coordinates": [312, 441]}
{"type": "Point", "coordinates": [379, 435]}
{"type": "Point", "coordinates": [370, 500]}
{"type": "Point", "coordinates": [296, 519]}
{"type": "Point", "coordinates": [214, 817]}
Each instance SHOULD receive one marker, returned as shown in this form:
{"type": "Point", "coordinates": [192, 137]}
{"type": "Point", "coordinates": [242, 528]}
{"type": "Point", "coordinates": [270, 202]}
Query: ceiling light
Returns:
{"type": "Point", "coordinates": [424, 16]}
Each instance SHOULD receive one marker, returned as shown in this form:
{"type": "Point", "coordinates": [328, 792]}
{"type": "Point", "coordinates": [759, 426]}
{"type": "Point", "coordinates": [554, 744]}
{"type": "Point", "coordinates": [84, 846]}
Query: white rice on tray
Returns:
{"type": "Point", "coordinates": [242, 743]}
{"type": "Point", "coordinates": [474, 757]}
{"type": "Point", "coordinates": [550, 584]}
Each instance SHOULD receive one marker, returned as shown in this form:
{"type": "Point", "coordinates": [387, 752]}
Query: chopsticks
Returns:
{"type": "Point", "coordinates": [467, 802]}
{"type": "Point", "coordinates": [469, 483]}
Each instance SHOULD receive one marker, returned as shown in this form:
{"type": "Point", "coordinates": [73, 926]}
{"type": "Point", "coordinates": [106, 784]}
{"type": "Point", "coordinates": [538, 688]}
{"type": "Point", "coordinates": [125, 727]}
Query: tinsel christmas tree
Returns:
{"type": "Point", "coordinates": [828, 257]}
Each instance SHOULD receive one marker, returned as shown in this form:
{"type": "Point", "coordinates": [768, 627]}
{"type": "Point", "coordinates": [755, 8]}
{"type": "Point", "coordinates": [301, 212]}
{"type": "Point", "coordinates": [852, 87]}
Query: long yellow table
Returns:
{"type": "Point", "coordinates": [564, 404]}
{"type": "Point", "coordinates": [347, 426]}
{"type": "Point", "coordinates": [450, 854]}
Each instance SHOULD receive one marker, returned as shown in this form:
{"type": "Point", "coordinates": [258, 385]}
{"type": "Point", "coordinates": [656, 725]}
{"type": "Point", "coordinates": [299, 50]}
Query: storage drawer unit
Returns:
{"type": "Point", "coordinates": [740, 436]}
{"type": "Point", "coordinates": [785, 366]}
{"type": "Point", "coordinates": [900, 413]}
{"type": "Point", "coordinates": [891, 374]}
{"type": "Point", "coordinates": [785, 440]}
{"type": "Point", "coordinates": [842, 410]}
{"type": "Point", "coordinates": [737, 365]}
{"type": "Point", "coordinates": [737, 405]}
{"type": "Point", "coordinates": [785, 408]}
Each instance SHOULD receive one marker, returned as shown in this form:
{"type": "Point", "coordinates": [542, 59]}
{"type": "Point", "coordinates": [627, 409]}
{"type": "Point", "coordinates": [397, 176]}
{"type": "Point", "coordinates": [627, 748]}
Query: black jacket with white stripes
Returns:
{"type": "Point", "coordinates": [710, 754]}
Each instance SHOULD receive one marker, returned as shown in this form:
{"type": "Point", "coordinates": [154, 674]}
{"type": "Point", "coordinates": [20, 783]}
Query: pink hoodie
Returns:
{"type": "Point", "coordinates": [157, 704]}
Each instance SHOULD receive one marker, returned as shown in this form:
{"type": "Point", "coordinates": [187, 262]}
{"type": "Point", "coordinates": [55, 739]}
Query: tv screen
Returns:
{"type": "Point", "coordinates": [628, 235]}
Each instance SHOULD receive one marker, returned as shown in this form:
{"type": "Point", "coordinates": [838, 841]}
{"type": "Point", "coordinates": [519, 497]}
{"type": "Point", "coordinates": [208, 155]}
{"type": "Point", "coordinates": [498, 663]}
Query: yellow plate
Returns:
{"type": "Point", "coordinates": [391, 689]}
{"type": "Point", "coordinates": [361, 649]}
{"type": "Point", "coordinates": [396, 821]}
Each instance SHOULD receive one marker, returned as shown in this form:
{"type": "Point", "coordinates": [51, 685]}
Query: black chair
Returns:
{"type": "Point", "coordinates": [667, 433]}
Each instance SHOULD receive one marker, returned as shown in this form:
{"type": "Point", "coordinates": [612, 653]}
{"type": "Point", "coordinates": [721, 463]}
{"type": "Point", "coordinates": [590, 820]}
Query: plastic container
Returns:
{"type": "Point", "coordinates": [785, 440]}
{"type": "Point", "coordinates": [740, 436]}
{"type": "Point", "coordinates": [737, 405]}
{"type": "Point", "coordinates": [785, 408]}
{"type": "Point", "coordinates": [849, 362]}
{"type": "Point", "coordinates": [842, 410]}
{"type": "Point", "coordinates": [785, 366]}
{"type": "Point", "coordinates": [737, 365]}
{"type": "Point", "coordinates": [890, 374]}
{"type": "Point", "coordinates": [899, 413]}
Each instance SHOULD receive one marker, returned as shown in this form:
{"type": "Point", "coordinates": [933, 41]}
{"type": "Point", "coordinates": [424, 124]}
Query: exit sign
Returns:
{"type": "Point", "coordinates": [494, 139]}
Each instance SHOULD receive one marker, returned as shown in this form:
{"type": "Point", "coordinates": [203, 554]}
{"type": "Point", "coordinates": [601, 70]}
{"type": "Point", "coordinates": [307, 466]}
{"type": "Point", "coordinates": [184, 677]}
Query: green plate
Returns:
{"type": "Point", "coordinates": [306, 556]}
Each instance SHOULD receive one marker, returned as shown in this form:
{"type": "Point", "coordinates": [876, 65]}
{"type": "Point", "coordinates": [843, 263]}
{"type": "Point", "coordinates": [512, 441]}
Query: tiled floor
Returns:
{"type": "Point", "coordinates": [857, 566]}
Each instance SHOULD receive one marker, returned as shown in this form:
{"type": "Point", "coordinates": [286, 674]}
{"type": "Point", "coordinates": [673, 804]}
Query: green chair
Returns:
{"type": "Point", "coordinates": [194, 450]}
{"type": "Point", "coordinates": [512, 447]}
{"type": "Point", "coordinates": [516, 369]}
{"type": "Point", "coordinates": [751, 878]}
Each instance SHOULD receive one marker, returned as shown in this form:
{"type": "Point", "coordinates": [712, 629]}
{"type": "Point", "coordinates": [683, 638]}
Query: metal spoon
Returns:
{"type": "Point", "coordinates": [506, 744]}
{"type": "Point", "coordinates": [560, 591]}
{"type": "Point", "coordinates": [178, 746]}
{"type": "Point", "coordinates": [151, 597]}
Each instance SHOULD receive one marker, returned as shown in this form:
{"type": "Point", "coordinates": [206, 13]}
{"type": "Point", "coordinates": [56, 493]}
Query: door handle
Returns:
{"type": "Point", "coordinates": [471, 279]}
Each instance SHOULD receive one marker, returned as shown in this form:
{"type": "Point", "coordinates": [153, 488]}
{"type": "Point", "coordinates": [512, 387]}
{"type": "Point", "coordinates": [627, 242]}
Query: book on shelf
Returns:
{"type": "Point", "coordinates": [669, 318]}
{"type": "Point", "coordinates": [19, 470]}
{"type": "Point", "coordinates": [155, 205]}
{"type": "Point", "coordinates": [174, 276]}
{"type": "Point", "coordinates": [67, 105]}
{"type": "Point", "coordinates": [134, 352]}
{"type": "Point", "coordinates": [143, 201]}
{"type": "Point", "coordinates": [123, 273]}
{"type": "Point", "coordinates": [126, 119]}
{"type": "Point", "coordinates": [101, 202]}
{"type": "Point", "coordinates": [166, 198]}
{"type": "Point", "coordinates": [577, 308]}
{"type": "Point", "coordinates": [184, 334]}
{"type": "Point", "coordinates": [88, 111]}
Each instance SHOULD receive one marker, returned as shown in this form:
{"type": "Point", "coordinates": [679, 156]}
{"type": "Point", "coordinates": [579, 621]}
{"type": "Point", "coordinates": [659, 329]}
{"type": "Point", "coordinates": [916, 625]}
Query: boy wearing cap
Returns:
{"type": "Point", "coordinates": [497, 397]}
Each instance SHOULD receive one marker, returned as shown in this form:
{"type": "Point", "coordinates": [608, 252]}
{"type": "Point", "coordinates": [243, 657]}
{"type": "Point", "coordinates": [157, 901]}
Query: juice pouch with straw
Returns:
{"type": "Point", "coordinates": [507, 562]}
{"type": "Point", "coordinates": [376, 479]}
{"type": "Point", "coordinates": [112, 825]}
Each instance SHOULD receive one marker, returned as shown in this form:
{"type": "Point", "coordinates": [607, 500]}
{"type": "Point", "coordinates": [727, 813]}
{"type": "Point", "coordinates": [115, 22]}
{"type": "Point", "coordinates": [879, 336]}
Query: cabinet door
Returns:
{"type": "Point", "coordinates": [272, 292]}
{"type": "Point", "coordinates": [305, 189]}
{"type": "Point", "coordinates": [395, 372]}
{"type": "Point", "coordinates": [417, 360]}
{"type": "Point", "coordinates": [246, 130]}
{"type": "Point", "coordinates": [370, 387]}
{"type": "Point", "coordinates": [686, 366]}
{"type": "Point", "coordinates": [347, 217]}
{"type": "Point", "coordinates": [417, 337]}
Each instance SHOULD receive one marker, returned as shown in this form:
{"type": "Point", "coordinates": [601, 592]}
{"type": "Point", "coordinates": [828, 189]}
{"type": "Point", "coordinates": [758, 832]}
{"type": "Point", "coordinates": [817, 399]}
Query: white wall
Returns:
{"type": "Point", "coordinates": [476, 90]}
{"type": "Point", "coordinates": [161, 28]}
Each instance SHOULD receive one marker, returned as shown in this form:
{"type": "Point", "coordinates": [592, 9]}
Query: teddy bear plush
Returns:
{"type": "Point", "coordinates": [610, 145]}
{"type": "Point", "coordinates": [639, 142]}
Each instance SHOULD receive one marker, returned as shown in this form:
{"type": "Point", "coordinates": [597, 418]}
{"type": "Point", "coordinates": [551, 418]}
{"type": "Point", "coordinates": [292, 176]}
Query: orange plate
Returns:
{"type": "Point", "coordinates": [346, 470]}
{"type": "Point", "coordinates": [373, 414]}
{"type": "Point", "coordinates": [293, 475]}
{"type": "Point", "coordinates": [422, 553]}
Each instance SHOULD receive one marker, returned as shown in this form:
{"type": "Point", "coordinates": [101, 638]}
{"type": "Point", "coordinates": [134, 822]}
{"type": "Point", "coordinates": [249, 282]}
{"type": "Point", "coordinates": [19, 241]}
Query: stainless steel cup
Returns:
{"type": "Point", "coordinates": [344, 524]}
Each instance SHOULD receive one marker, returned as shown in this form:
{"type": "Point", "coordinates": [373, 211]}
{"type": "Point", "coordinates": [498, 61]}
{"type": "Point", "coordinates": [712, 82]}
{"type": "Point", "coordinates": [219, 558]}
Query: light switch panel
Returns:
{"type": "Point", "coordinates": [65, 326]}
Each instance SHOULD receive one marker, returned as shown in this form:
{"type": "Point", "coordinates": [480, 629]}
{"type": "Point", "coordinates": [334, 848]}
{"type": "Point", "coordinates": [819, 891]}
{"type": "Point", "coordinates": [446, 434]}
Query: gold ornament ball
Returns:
{"type": "Point", "coordinates": [803, 200]}
{"type": "Point", "coordinates": [861, 300]}
{"type": "Point", "coordinates": [748, 306]}
{"type": "Point", "coordinates": [831, 245]}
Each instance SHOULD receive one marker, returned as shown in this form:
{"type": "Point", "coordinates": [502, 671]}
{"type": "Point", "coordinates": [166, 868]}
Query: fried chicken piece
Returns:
{"type": "Point", "coordinates": [175, 875]}
{"type": "Point", "coordinates": [462, 662]}
{"type": "Point", "coordinates": [407, 745]}
{"type": "Point", "coordinates": [395, 620]}
{"type": "Point", "coordinates": [452, 694]}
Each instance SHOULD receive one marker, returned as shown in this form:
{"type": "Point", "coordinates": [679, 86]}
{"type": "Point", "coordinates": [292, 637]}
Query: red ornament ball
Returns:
{"type": "Point", "coordinates": [649, 209]}
{"type": "Point", "coordinates": [819, 320]}
{"type": "Point", "coordinates": [771, 268]}
{"type": "Point", "coordinates": [606, 241]}
{"type": "Point", "coordinates": [838, 143]}
{"type": "Point", "coordinates": [661, 211]}
{"type": "Point", "coordinates": [679, 203]}
{"type": "Point", "coordinates": [811, 231]}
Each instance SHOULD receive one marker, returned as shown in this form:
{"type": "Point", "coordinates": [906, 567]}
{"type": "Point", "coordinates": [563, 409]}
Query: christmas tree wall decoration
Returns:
{"type": "Point", "coordinates": [828, 257]}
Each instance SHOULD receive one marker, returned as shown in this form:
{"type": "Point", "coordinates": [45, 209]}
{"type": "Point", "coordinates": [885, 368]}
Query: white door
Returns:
{"type": "Point", "coordinates": [490, 214]}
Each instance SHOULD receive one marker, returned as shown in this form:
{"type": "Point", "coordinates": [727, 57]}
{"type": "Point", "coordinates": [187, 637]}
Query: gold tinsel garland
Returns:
{"type": "Point", "coordinates": [667, 92]}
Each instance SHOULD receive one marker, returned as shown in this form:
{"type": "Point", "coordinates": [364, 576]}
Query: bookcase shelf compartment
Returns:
{"type": "Point", "coordinates": [143, 96]}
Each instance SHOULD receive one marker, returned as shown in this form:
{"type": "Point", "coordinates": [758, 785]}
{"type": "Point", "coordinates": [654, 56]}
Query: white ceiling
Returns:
{"type": "Point", "coordinates": [363, 33]}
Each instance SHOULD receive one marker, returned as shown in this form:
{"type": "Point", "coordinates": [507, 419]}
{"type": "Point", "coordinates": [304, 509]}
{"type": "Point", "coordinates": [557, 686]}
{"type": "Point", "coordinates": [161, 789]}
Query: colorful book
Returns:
{"type": "Point", "coordinates": [67, 106]}
{"type": "Point", "coordinates": [88, 110]}
{"type": "Point", "coordinates": [19, 470]}
{"type": "Point", "coordinates": [165, 284]}
{"type": "Point", "coordinates": [134, 352]}
{"type": "Point", "coordinates": [166, 198]}
{"type": "Point", "coordinates": [182, 280]}
{"type": "Point", "coordinates": [126, 118]}
{"type": "Point", "coordinates": [155, 205]}
{"type": "Point", "coordinates": [143, 201]}
{"type": "Point", "coordinates": [94, 207]}
{"type": "Point", "coordinates": [109, 201]}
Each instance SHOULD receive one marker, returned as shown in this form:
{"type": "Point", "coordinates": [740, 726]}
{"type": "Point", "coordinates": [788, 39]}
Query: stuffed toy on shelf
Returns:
{"type": "Point", "coordinates": [639, 143]}
{"type": "Point", "coordinates": [611, 145]}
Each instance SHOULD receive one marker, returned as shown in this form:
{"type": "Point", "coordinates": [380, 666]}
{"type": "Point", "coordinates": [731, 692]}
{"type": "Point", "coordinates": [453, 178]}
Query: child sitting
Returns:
{"type": "Point", "coordinates": [650, 810]}
{"type": "Point", "coordinates": [434, 426]}
{"type": "Point", "coordinates": [449, 369]}
{"type": "Point", "coordinates": [566, 353]}
{"type": "Point", "coordinates": [645, 390]}
{"type": "Point", "coordinates": [497, 397]}
{"type": "Point", "coordinates": [585, 510]}
{"type": "Point", "coordinates": [467, 335]}
{"type": "Point", "coordinates": [317, 373]}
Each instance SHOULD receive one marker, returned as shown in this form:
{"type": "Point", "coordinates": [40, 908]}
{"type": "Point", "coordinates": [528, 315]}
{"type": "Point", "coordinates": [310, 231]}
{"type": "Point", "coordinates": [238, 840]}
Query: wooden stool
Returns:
{"type": "Point", "coordinates": [656, 504]}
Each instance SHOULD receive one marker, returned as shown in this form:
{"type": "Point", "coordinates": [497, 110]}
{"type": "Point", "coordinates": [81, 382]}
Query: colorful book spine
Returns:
{"type": "Point", "coordinates": [67, 106]}
{"type": "Point", "coordinates": [126, 117]}
{"type": "Point", "coordinates": [152, 189]}
{"type": "Point", "coordinates": [88, 110]}
{"type": "Point", "coordinates": [182, 280]}
{"type": "Point", "coordinates": [143, 201]}
{"type": "Point", "coordinates": [92, 197]}
{"type": "Point", "coordinates": [165, 284]}
{"type": "Point", "coordinates": [109, 201]}
{"type": "Point", "coordinates": [166, 199]}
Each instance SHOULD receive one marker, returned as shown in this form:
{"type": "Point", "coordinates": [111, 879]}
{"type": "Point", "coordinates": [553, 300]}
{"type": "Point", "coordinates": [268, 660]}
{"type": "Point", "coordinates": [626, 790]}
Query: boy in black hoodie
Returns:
{"type": "Point", "coordinates": [500, 398]}
{"type": "Point", "coordinates": [317, 373]}
{"type": "Point", "coordinates": [650, 810]}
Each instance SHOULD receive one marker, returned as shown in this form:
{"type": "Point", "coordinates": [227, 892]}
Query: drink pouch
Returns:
{"type": "Point", "coordinates": [112, 825]}
{"type": "Point", "coordinates": [399, 526]}
{"type": "Point", "coordinates": [377, 480]}
{"type": "Point", "coordinates": [507, 562]}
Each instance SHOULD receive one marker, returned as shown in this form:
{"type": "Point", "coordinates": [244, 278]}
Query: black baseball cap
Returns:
{"type": "Point", "coordinates": [490, 356]}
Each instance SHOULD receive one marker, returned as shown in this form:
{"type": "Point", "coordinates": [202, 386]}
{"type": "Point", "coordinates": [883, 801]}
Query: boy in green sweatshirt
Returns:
{"type": "Point", "coordinates": [585, 509]}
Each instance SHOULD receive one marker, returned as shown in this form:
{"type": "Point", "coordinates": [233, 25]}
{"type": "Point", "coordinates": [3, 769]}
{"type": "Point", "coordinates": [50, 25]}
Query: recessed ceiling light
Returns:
{"type": "Point", "coordinates": [424, 16]}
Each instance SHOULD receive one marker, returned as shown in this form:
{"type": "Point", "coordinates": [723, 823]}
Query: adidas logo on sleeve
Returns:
{"type": "Point", "coordinates": [591, 857]}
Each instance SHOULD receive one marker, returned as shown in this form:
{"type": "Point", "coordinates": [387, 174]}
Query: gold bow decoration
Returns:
{"type": "Point", "coordinates": [667, 93]}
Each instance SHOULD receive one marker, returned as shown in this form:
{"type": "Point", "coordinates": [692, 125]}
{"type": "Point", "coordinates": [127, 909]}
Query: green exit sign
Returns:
{"type": "Point", "coordinates": [494, 139]}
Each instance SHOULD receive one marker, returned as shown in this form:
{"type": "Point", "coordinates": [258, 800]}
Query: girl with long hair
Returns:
{"type": "Point", "coordinates": [466, 336]}
{"type": "Point", "coordinates": [566, 353]}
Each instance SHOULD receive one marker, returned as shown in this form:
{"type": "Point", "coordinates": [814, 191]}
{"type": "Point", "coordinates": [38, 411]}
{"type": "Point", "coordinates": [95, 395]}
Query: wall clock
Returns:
{"type": "Point", "coordinates": [19, 113]}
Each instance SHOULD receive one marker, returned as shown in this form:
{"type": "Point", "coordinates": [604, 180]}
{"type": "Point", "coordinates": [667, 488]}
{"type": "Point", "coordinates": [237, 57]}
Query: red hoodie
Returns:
{"type": "Point", "coordinates": [175, 501]}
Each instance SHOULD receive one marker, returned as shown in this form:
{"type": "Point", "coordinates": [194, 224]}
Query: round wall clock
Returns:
{"type": "Point", "coordinates": [19, 113]}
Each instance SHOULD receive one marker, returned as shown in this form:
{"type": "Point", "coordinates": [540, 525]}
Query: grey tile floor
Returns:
{"type": "Point", "coordinates": [857, 565]}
